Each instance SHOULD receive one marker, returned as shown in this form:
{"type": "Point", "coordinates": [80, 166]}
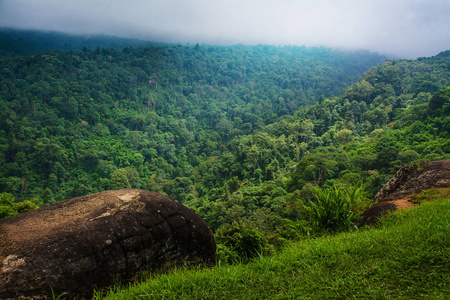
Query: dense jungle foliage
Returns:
{"type": "Point", "coordinates": [244, 135]}
{"type": "Point", "coordinates": [75, 122]}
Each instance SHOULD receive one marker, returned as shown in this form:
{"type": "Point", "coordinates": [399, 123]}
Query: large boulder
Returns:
{"type": "Point", "coordinates": [408, 180]}
{"type": "Point", "coordinates": [94, 241]}
{"type": "Point", "coordinates": [414, 178]}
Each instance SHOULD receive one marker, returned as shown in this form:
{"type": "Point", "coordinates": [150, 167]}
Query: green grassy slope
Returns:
{"type": "Point", "coordinates": [406, 257]}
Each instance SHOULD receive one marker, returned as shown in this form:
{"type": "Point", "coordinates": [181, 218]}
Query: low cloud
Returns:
{"type": "Point", "coordinates": [404, 28]}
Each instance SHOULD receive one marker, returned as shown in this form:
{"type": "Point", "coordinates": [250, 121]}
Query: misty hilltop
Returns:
{"type": "Point", "coordinates": [15, 42]}
{"type": "Point", "coordinates": [403, 29]}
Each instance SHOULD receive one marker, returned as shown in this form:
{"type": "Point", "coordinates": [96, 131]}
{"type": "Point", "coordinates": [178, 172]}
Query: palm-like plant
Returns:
{"type": "Point", "coordinates": [335, 209]}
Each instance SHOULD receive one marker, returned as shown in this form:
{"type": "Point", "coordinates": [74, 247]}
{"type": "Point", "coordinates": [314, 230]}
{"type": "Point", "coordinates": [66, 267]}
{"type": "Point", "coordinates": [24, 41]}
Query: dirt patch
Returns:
{"type": "Point", "coordinates": [375, 212]}
{"type": "Point", "coordinates": [402, 203]}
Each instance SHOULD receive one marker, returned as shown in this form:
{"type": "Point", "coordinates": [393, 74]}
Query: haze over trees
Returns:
{"type": "Point", "coordinates": [244, 135]}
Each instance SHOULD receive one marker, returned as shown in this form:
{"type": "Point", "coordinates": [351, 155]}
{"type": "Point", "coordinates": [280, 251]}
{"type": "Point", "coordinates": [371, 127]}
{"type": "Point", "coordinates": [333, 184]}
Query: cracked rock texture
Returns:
{"type": "Point", "coordinates": [92, 241]}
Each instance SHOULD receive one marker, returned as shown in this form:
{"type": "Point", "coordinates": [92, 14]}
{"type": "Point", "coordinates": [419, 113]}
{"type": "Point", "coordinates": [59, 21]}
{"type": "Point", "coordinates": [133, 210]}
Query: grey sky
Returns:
{"type": "Point", "coordinates": [405, 28]}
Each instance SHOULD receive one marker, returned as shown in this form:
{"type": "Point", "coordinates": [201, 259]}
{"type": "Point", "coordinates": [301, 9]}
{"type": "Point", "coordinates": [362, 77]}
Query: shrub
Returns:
{"type": "Point", "coordinates": [239, 240]}
{"type": "Point", "coordinates": [26, 205]}
{"type": "Point", "coordinates": [335, 209]}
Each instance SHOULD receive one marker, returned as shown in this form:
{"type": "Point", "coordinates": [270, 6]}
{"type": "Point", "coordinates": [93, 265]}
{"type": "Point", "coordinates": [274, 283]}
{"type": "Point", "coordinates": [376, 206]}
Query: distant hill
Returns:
{"type": "Point", "coordinates": [27, 42]}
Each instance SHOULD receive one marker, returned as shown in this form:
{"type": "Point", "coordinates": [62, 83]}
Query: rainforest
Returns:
{"type": "Point", "coordinates": [246, 136]}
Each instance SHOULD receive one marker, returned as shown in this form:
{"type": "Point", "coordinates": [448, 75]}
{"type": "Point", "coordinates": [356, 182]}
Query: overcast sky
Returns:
{"type": "Point", "coordinates": [404, 28]}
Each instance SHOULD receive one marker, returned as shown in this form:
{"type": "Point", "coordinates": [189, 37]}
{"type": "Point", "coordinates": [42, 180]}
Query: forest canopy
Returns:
{"type": "Point", "coordinates": [241, 134]}
{"type": "Point", "coordinates": [72, 121]}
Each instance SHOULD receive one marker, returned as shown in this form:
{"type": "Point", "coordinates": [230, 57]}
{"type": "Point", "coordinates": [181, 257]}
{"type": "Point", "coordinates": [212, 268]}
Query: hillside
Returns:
{"type": "Point", "coordinates": [279, 149]}
{"type": "Point", "coordinates": [77, 122]}
{"type": "Point", "coordinates": [358, 139]}
{"type": "Point", "coordinates": [237, 133]}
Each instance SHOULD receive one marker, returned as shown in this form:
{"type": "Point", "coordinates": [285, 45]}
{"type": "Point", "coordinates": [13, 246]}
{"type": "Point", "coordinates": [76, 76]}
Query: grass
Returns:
{"type": "Point", "coordinates": [406, 257]}
{"type": "Point", "coordinates": [430, 195]}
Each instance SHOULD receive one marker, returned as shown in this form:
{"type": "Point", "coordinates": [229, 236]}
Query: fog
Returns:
{"type": "Point", "coordinates": [400, 28]}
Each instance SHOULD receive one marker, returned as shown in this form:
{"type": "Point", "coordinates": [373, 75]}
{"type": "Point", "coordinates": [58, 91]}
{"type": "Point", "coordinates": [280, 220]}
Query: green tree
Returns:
{"type": "Point", "coordinates": [119, 179]}
{"type": "Point", "coordinates": [343, 136]}
{"type": "Point", "coordinates": [440, 98]}
{"type": "Point", "coordinates": [125, 178]}
{"type": "Point", "coordinates": [7, 205]}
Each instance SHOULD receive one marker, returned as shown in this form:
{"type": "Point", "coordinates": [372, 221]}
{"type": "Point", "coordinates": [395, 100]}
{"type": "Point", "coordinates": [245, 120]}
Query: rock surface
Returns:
{"type": "Point", "coordinates": [92, 241]}
{"type": "Point", "coordinates": [414, 178]}
{"type": "Point", "coordinates": [410, 179]}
